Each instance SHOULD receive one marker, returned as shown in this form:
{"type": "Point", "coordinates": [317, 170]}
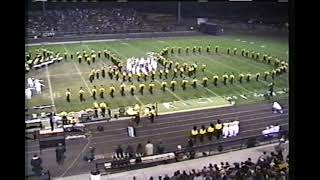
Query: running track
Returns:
{"type": "Point", "coordinates": [172, 129]}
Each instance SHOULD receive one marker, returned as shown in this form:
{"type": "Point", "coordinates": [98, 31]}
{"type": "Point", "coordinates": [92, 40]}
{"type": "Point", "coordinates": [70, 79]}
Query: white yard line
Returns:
{"type": "Point", "coordinates": [50, 89]}
{"type": "Point", "coordinates": [78, 70]}
{"type": "Point", "coordinates": [78, 156]}
{"type": "Point", "coordinates": [174, 94]}
{"type": "Point", "coordinates": [110, 40]}
{"type": "Point", "coordinates": [138, 100]}
{"type": "Point", "coordinates": [212, 92]}
{"type": "Point", "coordinates": [64, 74]}
{"type": "Point", "coordinates": [80, 74]}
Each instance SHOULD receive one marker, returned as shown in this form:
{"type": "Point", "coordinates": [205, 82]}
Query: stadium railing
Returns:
{"type": "Point", "coordinates": [108, 167]}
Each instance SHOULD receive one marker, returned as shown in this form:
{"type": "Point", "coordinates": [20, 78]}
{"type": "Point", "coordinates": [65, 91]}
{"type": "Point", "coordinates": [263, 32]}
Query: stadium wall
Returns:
{"type": "Point", "coordinates": [108, 37]}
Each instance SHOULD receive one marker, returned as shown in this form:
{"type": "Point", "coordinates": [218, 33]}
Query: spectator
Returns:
{"type": "Point", "coordinates": [36, 162]}
{"type": "Point", "coordinates": [151, 178]}
{"type": "Point", "coordinates": [279, 149]}
{"type": "Point", "coordinates": [175, 176]}
{"type": "Point", "coordinates": [190, 143]}
{"type": "Point", "coordinates": [129, 151]}
{"type": "Point", "coordinates": [263, 156]}
{"type": "Point", "coordinates": [166, 177]}
{"type": "Point", "coordinates": [90, 154]}
{"type": "Point", "coordinates": [82, 20]}
{"type": "Point", "coordinates": [119, 152]}
{"type": "Point", "coordinates": [160, 148]}
{"type": "Point", "coordinates": [139, 150]}
{"type": "Point", "coordinates": [149, 148]}
{"type": "Point", "coordinates": [249, 162]}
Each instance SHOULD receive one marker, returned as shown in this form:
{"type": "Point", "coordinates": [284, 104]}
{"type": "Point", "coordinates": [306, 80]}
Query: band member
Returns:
{"type": "Point", "coordinates": [81, 94]}
{"type": "Point", "coordinates": [68, 94]}
{"type": "Point", "coordinates": [141, 87]}
{"type": "Point", "coordinates": [94, 92]}
{"type": "Point", "coordinates": [205, 81]}
{"type": "Point", "coordinates": [184, 84]}
{"type": "Point", "coordinates": [210, 131]}
{"type": "Point", "coordinates": [112, 89]}
{"type": "Point", "coordinates": [122, 87]}
{"type": "Point", "coordinates": [151, 87]}
{"type": "Point", "coordinates": [231, 78]}
{"type": "Point", "coordinates": [163, 86]}
{"type": "Point", "coordinates": [132, 89]}
{"type": "Point", "coordinates": [102, 90]}
{"type": "Point", "coordinates": [215, 79]}
{"type": "Point", "coordinates": [194, 133]}
{"type": "Point", "coordinates": [218, 129]}
{"type": "Point", "coordinates": [202, 133]}
{"type": "Point", "coordinates": [173, 84]}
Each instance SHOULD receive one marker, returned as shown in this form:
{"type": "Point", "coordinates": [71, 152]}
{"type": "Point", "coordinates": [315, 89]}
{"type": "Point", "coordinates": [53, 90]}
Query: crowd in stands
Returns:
{"type": "Point", "coordinates": [96, 20]}
{"type": "Point", "coordinates": [271, 166]}
{"type": "Point", "coordinates": [148, 150]}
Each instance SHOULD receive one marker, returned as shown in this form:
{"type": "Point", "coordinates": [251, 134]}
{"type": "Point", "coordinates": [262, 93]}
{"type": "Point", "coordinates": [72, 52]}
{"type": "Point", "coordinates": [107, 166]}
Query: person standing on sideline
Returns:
{"type": "Point", "coordinates": [194, 133]}
{"type": "Point", "coordinates": [210, 131]}
{"type": "Point", "coordinates": [139, 150]}
{"type": "Point", "coordinates": [152, 117]}
{"type": "Point", "coordinates": [60, 150]}
{"type": "Point", "coordinates": [202, 133]}
{"type": "Point", "coordinates": [90, 154]}
{"type": "Point", "coordinates": [218, 129]}
{"type": "Point", "coordinates": [36, 162]}
{"type": "Point", "coordinates": [119, 152]}
{"type": "Point", "coordinates": [160, 148]}
{"type": "Point", "coordinates": [149, 148]}
{"type": "Point", "coordinates": [51, 121]}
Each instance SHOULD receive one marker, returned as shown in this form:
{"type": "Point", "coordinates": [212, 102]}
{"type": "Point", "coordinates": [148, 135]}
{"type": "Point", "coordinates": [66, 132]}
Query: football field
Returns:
{"type": "Point", "coordinates": [70, 74]}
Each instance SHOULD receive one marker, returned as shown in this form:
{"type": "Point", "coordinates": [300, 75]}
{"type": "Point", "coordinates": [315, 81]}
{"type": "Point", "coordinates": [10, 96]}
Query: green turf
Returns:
{"type": "Point", "coordinates": [66, 75]}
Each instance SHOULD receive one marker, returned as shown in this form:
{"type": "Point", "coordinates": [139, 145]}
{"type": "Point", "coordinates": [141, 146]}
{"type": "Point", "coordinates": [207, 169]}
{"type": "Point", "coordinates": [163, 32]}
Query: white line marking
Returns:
{"type": "Point", "coordinates": [78, 156]}
{"type": "Point", "coordinates": [80, 74]}
{"type": "Point", "coordinates": [212, 92]}
{"type": "Point", "coordinates": [64, 74]}
{"type": "Point", "coordinates": [78, 70]}
{"type": "Point", "coordinates": [229, 68]}
{"type": "Point", "coordinates": [194, 123]}
{"type": "Point", "coordinates": [50, 89]}
{"type": "Point", "coordinates": [110, 40]}
{"type": "Point", "coordinates": [174, 94]}
{"type": "Point", "coordinates": [138, 100]}
{"type": "Point", "coordinates": [236, 113]}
